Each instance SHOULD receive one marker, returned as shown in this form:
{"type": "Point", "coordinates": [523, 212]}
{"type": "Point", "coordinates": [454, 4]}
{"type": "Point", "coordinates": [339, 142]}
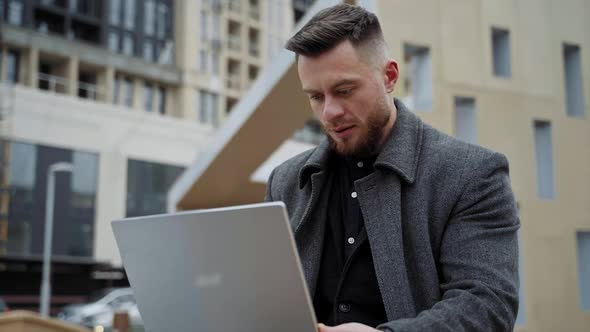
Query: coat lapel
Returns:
{"type": "Point", "coordinates": [380, 200]}
{"type": "Point", "coordinates": [309, 228]}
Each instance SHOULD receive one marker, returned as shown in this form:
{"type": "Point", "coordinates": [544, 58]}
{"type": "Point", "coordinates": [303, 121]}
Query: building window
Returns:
{"type": "Point", "coordinates": [501, 52]}
{"type": "Point", "coordinates": [208, 108]}
{"type": "Point", "coordinates": [148, 97]}
{"type": "Point", "coordinates": [204, 36]}
{"type": "Point", "coordinates": [161, 20]}
{"type": "Point", "coordinates": [583, 241]}
{"type": "Point", "coordinates": [465, 120]}
{"type": "Point", "coordinates": [544, 159]}
{"type": "Point", "coordinates": [233, 74]}
{"type": "Point", "coordinates": [574, 87]}
{"type": "Point", "coordinates": [127, 92]}
{"type": "Point", "coordinates": [418, 78]}
{"type": "Point", "coordinates": [113, 41]}
{"type": "Point", "coordinates": [215, 62]}
{"type": "Point", "coordinates": [253, 43]}
{"type": "Point", "coordinates": [12, 66]}
{"type": "Point", "coordinates": [148, 50]}
{"type": "Point", "coordinates": [116, 90]}
{"type": "Point", "coordinates": [234, 39]}
{"type": "Point", "coordinates": [161, 100]}
{"type": "Point", "coordinates": [254, 10]}
{"type": "Point", "coordinates": [203, 60]}
{"type": "Point", "coordinates": [229, 104]}
{"type": "Point", "coordinates": [74, 206]}
{"type": "Point", "coordinates": [15, 12]}
{"type": "Point", "coordinates": [129, 14]}
{"type": "Point", "coordinates": [215, 26]}
{"type": "Point", "coordinates": [148, 184]}
{"type": "Point", "coordinates": [149, 15]}
{"type": "Point", "coordinates": [128, 44]}
{"type": "Point", "coordinates": [115, 12]}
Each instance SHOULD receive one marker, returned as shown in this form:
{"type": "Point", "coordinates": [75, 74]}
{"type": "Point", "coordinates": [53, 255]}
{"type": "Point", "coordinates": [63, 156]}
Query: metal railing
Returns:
{"type": "Point", "coordinates": [254, 12]}
{"type": "Point", "coordinates": [234, 5]}
{"type": "Point", "coordinates": [253, 49]}
{"type": "Point", "coordinates": [92, 91]}
{"type": "Point", "coordinates": [233, 82]}
{"type": "Point", "coordinates": [234, 43]}
{"type": "Point", "coordinates": [52, 83]}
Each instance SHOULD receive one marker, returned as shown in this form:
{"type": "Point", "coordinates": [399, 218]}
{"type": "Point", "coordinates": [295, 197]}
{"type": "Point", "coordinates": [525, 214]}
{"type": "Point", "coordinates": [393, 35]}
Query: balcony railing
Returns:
{"type": "Point", "coordinates": [60, 85]}
{"type": "Point", "coordinates": [233, 82]}
{"type": "Point", "coordinates": [253, 49]}
{"type": "Point", "coordinates": [89, 91]}
{"type": "Point", "coordinates": [52, 83]}
{"type": "Point", "coordinates": [234, 43]}
{"type": "Point", "coordinates": [254, 12]}
{"type": "Point", "coordinates": [234, 5]}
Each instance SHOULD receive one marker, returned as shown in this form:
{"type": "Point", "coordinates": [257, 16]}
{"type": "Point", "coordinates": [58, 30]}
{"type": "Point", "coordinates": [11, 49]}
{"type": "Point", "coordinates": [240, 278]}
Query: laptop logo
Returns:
{"type": "Point", "coordinates": [208, 280]}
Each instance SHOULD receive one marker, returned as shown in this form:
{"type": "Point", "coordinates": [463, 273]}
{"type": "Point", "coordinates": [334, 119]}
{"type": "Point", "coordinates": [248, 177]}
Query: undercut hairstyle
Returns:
{"type": "Point", "coordinates": [333, 25]}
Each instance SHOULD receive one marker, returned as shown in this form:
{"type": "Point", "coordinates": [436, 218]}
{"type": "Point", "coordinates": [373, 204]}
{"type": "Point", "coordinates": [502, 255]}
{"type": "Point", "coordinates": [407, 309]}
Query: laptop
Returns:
{"type": "Point", "coordinates": [217, 270]}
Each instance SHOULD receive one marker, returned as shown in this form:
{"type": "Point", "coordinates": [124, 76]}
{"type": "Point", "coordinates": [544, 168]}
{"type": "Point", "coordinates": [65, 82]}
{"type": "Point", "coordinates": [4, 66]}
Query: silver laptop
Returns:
{"type": "Point", "coordinates": [227, 269]}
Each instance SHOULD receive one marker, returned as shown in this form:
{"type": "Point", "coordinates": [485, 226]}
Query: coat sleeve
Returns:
{"type": "Point", "coordinates": [478, 261]}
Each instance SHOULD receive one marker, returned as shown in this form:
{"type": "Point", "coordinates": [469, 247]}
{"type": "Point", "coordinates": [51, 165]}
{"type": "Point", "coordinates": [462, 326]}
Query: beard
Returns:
{"type": "Point", "coordinates": [367, 143]}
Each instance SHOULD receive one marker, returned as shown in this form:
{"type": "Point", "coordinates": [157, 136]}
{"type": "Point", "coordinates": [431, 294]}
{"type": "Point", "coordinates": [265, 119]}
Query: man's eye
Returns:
{"type": "Point", "coordinates": [344, 92]}
{"type": "Point", "coordinates": [315, 97]}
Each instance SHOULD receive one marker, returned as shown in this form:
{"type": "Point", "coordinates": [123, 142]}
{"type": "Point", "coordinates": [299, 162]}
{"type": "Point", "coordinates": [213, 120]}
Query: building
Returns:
{"type": "Point", "coordinates": [130, 92]}
{"type": "Point", "coordinates": [512, 76]}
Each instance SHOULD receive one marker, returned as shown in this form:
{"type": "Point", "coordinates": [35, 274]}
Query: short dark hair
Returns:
{"type": "Point", "coordinates": [333, 25]}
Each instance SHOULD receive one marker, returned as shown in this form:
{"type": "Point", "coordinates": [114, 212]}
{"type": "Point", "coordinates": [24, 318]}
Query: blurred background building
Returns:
{"type": "Point", "coordinates": [127, 91]}
{"type": "Point", "coordinates": [139, 95]}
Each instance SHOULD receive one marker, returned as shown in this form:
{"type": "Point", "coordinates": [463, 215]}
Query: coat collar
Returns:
{"type": "Point", "coordinates": [400, 152]}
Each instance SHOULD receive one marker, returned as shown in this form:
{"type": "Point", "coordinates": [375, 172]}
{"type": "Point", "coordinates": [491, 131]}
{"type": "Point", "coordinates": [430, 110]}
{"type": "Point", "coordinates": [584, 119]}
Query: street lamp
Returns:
{"type": "Point", "coordinates": [49, 201]}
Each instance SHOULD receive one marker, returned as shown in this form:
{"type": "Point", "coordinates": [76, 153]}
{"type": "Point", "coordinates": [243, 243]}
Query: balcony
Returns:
{"type": "Point", "coordinates": [233, 82]}
{"type": "Point", "coordinates": [52, 83]}
{"type": "Point", "coordinates": [254, 12]}
{"type": "Point", "coordinates": [234, 6]}
{"type": "Point", "coordinates": [234, 43]}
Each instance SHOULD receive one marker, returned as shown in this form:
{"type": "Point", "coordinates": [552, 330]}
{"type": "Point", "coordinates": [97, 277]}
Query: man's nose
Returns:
{"type": "Point", "coordinates": [332, 110]}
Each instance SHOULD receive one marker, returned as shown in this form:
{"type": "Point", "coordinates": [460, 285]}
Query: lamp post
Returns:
{"type": "Point", "coordinates": [49, 202]}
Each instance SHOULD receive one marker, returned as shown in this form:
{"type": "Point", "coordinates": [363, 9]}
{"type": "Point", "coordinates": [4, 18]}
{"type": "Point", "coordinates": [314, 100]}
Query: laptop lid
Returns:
{"type": "Point", "coordinates": [226, 269]}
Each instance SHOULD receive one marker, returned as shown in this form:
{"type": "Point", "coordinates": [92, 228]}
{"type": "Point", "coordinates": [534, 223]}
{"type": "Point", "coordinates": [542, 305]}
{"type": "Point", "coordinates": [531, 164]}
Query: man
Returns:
{"type": "Point", "coordinates": [398, 226]}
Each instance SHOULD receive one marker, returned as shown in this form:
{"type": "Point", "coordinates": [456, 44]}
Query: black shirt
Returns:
{"type": "Point", "coordinates": [347, 289]}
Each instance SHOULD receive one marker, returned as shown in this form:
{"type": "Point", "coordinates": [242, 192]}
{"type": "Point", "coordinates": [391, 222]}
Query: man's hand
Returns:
{"type": "Point", "coordinates": [350, 327]}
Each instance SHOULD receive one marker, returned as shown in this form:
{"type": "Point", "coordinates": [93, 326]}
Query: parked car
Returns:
{"type": "Point", "coordinates": [3, 306]}
{"type": "Point", "coordinates": [101, 311]}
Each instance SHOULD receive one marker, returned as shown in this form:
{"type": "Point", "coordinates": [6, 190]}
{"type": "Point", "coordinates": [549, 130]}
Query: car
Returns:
{"type": "Point", "coordinates": [101, 311]}
{"type": "Point", "coordinates": [3, 306]}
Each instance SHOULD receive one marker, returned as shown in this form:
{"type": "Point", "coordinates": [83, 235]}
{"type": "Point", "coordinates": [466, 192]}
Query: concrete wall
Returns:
{"type": "Point", "coordinates": [458, 33]}
{"type": "Point", "coordinates": [115, 133]}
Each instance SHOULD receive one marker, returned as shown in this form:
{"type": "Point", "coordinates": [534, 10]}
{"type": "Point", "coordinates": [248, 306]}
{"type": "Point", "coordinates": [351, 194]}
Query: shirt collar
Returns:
{"type": "Point", "coordinates": [400, 153]}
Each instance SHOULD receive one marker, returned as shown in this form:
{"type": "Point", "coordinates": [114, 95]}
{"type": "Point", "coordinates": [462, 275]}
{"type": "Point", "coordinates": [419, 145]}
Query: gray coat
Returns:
{"type": "Point", "coordinates": [441, 221]}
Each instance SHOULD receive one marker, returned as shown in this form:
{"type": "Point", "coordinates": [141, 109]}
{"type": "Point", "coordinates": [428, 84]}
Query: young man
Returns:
{"type": "Point", "coordinates": [399, 226]}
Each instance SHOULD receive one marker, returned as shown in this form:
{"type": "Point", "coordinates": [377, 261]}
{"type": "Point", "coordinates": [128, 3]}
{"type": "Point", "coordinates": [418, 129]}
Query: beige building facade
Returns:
{"type": "Point", "coordinates": [512, 76]}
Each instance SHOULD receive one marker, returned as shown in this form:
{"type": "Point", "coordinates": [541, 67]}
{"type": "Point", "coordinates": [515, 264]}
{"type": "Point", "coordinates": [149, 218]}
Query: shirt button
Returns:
{"type": "Point", "coordinates": [353, 195]}
{"type": "Point", "coordinates": [360, 164]}
{"type": "Point", "coordinates": [350, 240]}
{"type": "Point", "coordinates": [343, 307]}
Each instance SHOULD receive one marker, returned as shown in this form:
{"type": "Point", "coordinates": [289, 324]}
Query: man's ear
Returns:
{"type": "Point", "coordinates": [391, 75]}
